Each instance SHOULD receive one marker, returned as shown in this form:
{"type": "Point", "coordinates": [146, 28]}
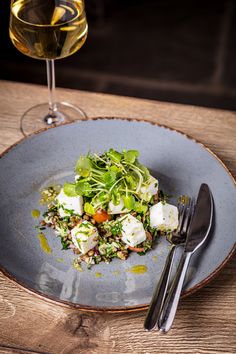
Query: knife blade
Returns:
{"type": "Point", "coordinates": [197, 234]}
{"type": "Point", "coordinates": [201, 220]}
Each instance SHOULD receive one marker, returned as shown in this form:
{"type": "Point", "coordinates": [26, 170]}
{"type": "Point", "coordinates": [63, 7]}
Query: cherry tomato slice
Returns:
{"type": "Point", "coordinates": [101, 216]}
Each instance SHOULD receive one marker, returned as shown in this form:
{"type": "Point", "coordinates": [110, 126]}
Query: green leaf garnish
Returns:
{"type": "Point", "coordinates": [70, 189]}
{"type": "Point", "coordinates": [131, 181]}
{"type": "Point", "coordinates": [83, 166]}
{"type": "Point", "coordinates": [115, 196]}
{"type": "Point", "coordinates": [143, 169]}
{"type": "Point", "coordinates": [109, 178]}
{"type": "Point", "coordinates": [129, 201]}
{"type": "Point", "coordinates": [83, 188]}
{"type": "Point", "coordinates": [140, 208]}
{"type": "Point", "coordinates": [89, 209]}
{"type": "Point", "coordinates": [116, 169]}
{"type": "Point", "coordinates": [131, 155]}
{"type": "Point", "coordinates": [114, 155]}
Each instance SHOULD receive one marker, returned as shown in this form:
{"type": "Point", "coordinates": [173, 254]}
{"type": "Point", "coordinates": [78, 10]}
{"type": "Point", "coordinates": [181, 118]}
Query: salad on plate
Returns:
{"type": "Point", "coordinates": [112, 208]}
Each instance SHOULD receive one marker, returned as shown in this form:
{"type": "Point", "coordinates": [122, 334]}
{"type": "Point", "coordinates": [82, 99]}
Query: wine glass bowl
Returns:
{"type": "Point", "coordinates": [48, 30]}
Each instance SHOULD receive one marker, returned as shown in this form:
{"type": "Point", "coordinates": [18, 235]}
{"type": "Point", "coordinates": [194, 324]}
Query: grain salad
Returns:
{"type": "Point", "coordinates": [113, 207]}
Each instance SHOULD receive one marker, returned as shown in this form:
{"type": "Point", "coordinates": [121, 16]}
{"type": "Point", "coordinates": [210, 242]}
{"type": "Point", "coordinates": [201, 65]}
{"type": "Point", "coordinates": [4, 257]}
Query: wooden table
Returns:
{"type": "Point", "coordinates": [205, 322]}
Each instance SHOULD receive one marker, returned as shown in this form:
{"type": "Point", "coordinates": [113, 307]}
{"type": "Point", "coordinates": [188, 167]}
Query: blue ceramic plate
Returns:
{"type": "Point", "coordinates": [181, 165]}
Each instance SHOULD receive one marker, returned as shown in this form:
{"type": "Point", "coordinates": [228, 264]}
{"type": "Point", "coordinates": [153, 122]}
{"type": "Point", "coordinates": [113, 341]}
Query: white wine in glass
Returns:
{"type": "Point", "coordinates": [49, 30]}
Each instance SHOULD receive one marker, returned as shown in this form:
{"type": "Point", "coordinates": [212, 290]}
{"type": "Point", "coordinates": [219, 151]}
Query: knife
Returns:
{"type": "Point", "coordinates": [198, 233]}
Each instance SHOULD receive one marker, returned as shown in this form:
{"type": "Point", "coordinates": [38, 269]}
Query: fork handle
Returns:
{"type": "Point", "coordinates": [171, 302]}
{"type": "Point", "coordinates": [159, 295]}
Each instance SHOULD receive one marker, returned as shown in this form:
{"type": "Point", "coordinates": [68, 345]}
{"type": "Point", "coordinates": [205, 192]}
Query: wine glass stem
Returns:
{"type": "Point", "coordinates": [51, 118]}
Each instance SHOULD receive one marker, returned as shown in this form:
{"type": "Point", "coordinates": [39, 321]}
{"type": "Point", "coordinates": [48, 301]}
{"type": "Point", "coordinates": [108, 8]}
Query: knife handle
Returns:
{"type": "Point", "coordinates": [157, 301]}
{"type": "Point", "coordinates": [171, 302]}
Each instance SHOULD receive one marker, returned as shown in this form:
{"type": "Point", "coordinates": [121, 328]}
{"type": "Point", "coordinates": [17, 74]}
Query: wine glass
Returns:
{"type": "Point", "coordinates": [49, 30]}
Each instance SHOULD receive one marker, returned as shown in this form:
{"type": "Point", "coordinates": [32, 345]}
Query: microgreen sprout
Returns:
{"type": "Point", "coordinates": [110, 177]}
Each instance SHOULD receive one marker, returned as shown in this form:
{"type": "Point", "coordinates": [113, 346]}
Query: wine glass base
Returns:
{"type": "Point", "coordinates": [37, 117]}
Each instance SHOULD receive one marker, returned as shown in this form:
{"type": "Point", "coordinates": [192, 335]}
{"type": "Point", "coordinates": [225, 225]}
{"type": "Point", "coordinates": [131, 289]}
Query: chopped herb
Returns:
{"type": "Point", "coordinates": [64, 244]}
{"type": "Point", "coordinates": [116, 228]}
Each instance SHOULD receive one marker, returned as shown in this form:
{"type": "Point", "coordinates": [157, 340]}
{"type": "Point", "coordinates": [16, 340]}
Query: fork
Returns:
{"type": "Point", "coordinates": [186, 206]}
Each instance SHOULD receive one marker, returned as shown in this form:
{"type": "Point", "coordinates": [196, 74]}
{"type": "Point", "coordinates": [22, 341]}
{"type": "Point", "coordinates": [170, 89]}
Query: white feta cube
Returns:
{"type": "Point", "coordinates": [164, 216]}
{"type": "Point", "coordinates": [150, 189]}
{"type": "Point", "coordinates": [84, 236]}
{"type": "Point", "coordinates": [133, 232]}
{"type": "Point", "coordinates": [74, 204]}
{"type": "Point", "coordinates": [117, 209]}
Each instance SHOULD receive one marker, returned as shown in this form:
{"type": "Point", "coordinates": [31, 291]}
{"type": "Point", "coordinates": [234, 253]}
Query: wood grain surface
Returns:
{"type": "Point", "coordinates": [205, 322]}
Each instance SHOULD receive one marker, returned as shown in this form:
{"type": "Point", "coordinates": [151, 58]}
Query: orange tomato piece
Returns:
{"type": "Point", "coordinates": [101, 216]}
{"type": "Point", "coordinates": [136, 249]}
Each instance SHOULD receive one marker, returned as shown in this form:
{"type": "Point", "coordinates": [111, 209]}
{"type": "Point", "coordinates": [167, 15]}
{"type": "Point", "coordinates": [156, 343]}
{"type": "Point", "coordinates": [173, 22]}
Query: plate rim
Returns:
{"type": "Point", "coordinates": [119, 309]}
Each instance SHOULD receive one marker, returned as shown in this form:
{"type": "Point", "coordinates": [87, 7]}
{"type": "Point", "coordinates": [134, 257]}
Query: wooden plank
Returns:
{"type": "Point", "coordinates": [205, 322]}
{"type": "Point", "coordinates": [215, 128]}
{"type": "Point", "coordinates": [9, 349]}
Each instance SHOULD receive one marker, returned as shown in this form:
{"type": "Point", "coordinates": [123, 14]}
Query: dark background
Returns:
{"type": "Point", "coordinates": [180, 51]}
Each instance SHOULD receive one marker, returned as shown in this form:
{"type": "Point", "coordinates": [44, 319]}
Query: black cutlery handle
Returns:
{"type": "Point", "coordinates": [171, 302]}
{"type": "Point", "coordinates": [159, 295]}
